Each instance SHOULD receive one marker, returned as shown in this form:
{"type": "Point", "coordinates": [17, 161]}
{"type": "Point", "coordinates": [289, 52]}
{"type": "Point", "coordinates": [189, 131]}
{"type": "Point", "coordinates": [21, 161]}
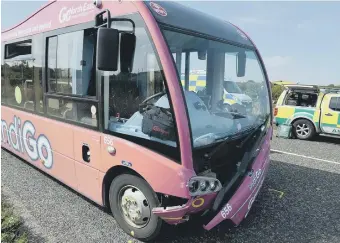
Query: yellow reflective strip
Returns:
{"type": "Point", "coordinates": [316, 116]}
{"type": "Point", "coordinates": [193, 77]}
{"type": "Point", "coordinates": [285, 112]}
{"type": "Point", "coordinates": [230, 101]}
{"type": "Point", "coordinates": [329, 119]}
{"type": "Point", "coordinates": [201, 83]}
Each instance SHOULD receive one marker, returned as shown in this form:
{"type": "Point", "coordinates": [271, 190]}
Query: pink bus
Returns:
{"type": "Point", "coordinates": [91, 94]}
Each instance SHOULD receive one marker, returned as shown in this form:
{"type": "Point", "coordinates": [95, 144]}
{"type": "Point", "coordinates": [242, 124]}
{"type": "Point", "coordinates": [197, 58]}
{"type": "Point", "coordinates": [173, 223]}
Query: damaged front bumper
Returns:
{"type": "Point", "coordinates": [179, 214]}
{"type": "Point", "coordinates": [239, 205]}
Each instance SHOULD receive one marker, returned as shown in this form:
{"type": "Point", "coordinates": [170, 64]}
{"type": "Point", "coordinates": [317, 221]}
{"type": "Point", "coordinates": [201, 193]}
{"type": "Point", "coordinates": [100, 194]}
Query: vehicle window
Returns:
{"type": "Point", "coordinates": [231, 87]}
{"type": "Point", "coordinates": [21, 74]}
{"type": "Point", "coordinates": [38, 54]}
{"type": "Point", "coordinates": [3, 90]}
{"type": "Point", "coordinates": [19, 83]}
{"type": "Point", "coordinates": [78, 111]}
{"type": "Point", "coordinates": [292, 99]}
{"type": "Point", "coordinates": [124, 93]}
{"type": "Point", "coordinates": [301, 99]}
{"type": "Point", "coordinates": [334, 104]}
{"type": "Point", "coordinates": [71, 63]}
{"type": "Point", "coordinates": [223, 92]}
{"type": "Point", "coordinates": [71, 79]}
{"type": "Point", "coordinates": [18, 49]}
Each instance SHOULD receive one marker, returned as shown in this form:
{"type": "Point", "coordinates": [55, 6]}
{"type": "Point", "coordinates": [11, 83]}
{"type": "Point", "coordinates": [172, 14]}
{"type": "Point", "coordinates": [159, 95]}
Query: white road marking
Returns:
{"type": "Point", "coordinates": [307, 157]}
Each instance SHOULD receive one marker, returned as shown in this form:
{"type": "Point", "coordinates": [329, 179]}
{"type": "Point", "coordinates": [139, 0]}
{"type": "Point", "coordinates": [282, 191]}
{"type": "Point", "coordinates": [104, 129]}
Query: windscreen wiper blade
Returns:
{"type": "Point", "coordinates": [251, 134]}
{"type": "Point", "coordinates": [226, 139]}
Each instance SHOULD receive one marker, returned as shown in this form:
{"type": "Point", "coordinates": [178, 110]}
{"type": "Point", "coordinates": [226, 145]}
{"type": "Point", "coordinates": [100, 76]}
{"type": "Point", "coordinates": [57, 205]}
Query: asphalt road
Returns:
{"type": "Point", "coordinates": [299, 202]}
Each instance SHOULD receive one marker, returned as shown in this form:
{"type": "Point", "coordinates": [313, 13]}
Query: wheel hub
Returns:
{"type": "Point", "coordinates": [302, 129]}
{"type": "Point", "coordinates": [135, 207]}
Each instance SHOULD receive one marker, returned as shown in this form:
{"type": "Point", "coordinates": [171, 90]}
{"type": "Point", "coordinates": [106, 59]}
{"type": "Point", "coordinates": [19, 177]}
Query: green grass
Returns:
{"type": "Point", "coordinates": [11, 225]}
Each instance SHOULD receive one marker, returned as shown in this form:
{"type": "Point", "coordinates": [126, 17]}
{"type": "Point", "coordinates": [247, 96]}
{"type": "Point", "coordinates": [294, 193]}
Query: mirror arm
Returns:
{"type": "Point", "coordinates": [100, 21]}
{"type": "Point", "coordinates": [99, 17]}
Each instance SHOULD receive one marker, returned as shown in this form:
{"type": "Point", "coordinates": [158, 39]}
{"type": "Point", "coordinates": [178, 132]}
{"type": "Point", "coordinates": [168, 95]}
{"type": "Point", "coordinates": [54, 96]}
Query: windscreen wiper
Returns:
{"type": "Point", "coordinates": [226, 139]}
{"type": "Point", "coordinates": [251, 134]}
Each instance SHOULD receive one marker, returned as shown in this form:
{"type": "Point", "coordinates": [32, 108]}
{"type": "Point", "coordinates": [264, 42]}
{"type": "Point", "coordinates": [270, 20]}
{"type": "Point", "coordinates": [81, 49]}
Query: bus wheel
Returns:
{"type": "Point", "coordinates": [131, 201]}
{"type": "Point", "coordinates": [303, 129]}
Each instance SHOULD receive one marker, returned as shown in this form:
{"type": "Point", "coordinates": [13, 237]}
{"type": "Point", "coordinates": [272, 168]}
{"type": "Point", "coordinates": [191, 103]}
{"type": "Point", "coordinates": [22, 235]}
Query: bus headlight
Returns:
{"type": "Point", "coordinates": [200, 185]}
{"type": "Point", "coordinates": [213, 185]}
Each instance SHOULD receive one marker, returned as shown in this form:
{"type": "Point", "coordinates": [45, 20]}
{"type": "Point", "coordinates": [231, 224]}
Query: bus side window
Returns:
{"type": "Point", "coordinates": [18, 74]}
{"type": "Point", "coordinates": [19, 86]}
{"type": "Point", "coordinates": [71, 73]}
{"type": "Point", "coordinates": [38, 55]}
{"type": "Point", "coordinates": [3, 89]}
{"type": "Point", "coordinates": [71, 63]}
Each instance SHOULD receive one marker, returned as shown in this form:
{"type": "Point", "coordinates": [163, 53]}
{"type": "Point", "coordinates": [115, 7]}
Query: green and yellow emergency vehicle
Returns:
{"type": "Point", "coordinates": [309, 110]}
{"type": "Point", "coordinates": [232, 93]}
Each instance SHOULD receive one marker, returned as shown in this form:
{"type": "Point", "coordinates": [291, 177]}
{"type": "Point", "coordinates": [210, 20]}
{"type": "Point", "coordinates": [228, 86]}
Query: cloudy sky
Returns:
{"type": "Point", "coordinates": [299, 41]}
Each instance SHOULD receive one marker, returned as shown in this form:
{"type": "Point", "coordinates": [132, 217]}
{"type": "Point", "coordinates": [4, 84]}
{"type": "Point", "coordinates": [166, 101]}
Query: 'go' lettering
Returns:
{"type": "Point", "coordinates": [23, 140]}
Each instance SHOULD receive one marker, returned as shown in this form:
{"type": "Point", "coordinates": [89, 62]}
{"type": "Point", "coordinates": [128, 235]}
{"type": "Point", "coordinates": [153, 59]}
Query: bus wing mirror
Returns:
{"type": "Point", "coordinates": [107, 49]}
{"type": "Point", "coordinates": [127, 52]}
{"type": "Point", "coordinates": [202, 55]}
{"type": "Point", "coordinates": [241, 64]}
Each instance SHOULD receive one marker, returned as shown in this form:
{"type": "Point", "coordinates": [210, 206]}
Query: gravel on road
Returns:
{"type": "Point", "coordinates": [299, 202]}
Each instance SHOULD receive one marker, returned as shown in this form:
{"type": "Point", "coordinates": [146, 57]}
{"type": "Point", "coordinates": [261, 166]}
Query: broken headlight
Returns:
{"type": "Point", "coordinates": [200, 185]}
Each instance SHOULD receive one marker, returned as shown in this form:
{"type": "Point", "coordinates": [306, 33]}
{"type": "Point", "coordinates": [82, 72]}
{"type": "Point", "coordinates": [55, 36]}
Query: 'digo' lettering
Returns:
{"type": "Point", "coordinates": [23, 139]}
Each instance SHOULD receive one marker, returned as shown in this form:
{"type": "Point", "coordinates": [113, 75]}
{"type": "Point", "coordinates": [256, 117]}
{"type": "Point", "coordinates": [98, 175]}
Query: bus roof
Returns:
{"type": "Point", "coordinates": [180, 16]}
{"type": "Point", "coordinates": [58, 14]}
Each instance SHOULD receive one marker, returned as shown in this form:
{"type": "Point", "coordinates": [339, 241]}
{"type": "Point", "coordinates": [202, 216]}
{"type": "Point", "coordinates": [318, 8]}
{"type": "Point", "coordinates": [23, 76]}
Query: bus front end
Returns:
{"type": "Point", "coordinates": [230, 141]}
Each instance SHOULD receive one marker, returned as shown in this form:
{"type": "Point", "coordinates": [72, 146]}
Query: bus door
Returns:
{"type": "Point", "coordinates": [72, 97]}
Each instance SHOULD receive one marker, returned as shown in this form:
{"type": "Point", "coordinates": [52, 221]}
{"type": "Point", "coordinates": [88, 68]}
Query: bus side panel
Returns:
{"type": "Point", "coordinates": [164, 175]}
{"type": "Point", "coordinates": [89, 182]}
{"type": "Point", "coordinates": [45, 143]}
{"type": "Point", "coordinates": [61, 14]}
{"type": "Point", "coordinates": [87, 172]}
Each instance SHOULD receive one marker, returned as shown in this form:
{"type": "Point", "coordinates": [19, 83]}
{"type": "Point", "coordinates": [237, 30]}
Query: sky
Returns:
{"type": "Point", "coordinates": [298, 40]}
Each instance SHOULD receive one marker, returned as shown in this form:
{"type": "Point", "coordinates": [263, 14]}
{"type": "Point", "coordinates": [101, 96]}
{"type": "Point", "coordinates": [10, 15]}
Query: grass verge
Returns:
{"type": "Point", "coordinates": [12, 230]}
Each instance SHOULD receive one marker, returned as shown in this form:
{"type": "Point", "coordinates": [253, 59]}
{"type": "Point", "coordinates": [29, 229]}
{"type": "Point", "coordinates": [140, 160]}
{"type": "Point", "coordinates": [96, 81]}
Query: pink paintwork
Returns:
{"type": "Point", "coordinates": [175, 215]}
{"type": "Point", "coordinates": [66, 140]}
{"type": "Point", "coordinates": [171, 178]}
{"type": "Point", "coordinates": [242, 200]}
{"type": "Point", "coordinates": [46, 19]}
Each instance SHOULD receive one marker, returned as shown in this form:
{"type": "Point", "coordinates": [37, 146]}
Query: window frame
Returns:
{"type": "Point", "coordinates": [29, 57]}
{"type": "Point", "coordinates": [46, 68]}
{"type": "Point", "coordinates": [150, 144]}
{"type": "Point", "coordinates": [71, 97]}
{"type": "Point", "coordinates": [76, 98]}
{"type": "Point", "coordinates": [20, 57]}
{"type": "Point", "coordinates": [16, 106]}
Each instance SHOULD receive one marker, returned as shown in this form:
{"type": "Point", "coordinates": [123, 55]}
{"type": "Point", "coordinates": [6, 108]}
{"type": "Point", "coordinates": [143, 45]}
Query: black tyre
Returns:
{"type": "Point", "coordinates": [304, 129]}
{"type": "Point", "coordinates": [131, 202]}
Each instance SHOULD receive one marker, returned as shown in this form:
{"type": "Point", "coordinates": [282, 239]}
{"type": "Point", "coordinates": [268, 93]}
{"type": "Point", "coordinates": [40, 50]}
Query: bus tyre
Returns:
{"type": "Point", "coordinates": [131, 201]}
{"type": "Point", "coordinates": [303, 129]}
